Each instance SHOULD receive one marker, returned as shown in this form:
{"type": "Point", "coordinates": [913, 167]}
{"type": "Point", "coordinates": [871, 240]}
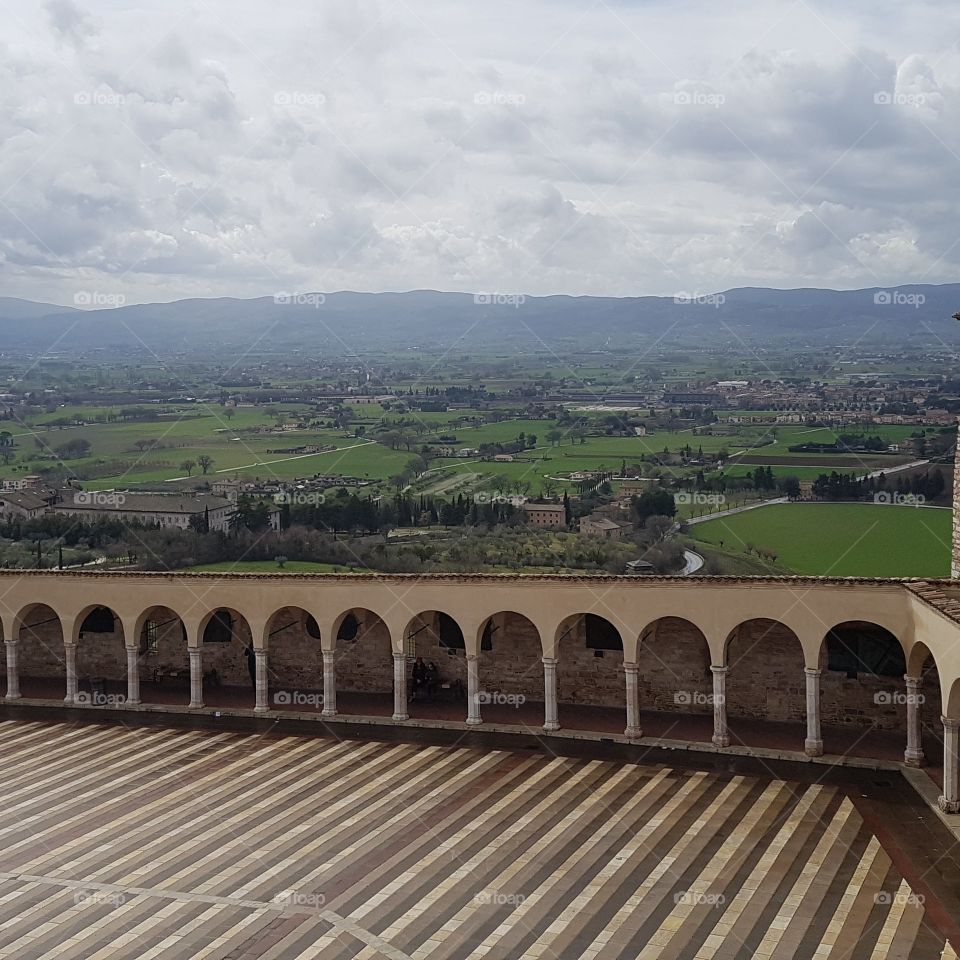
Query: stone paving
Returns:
{"type": "Point", "coordinates": [144, 842]}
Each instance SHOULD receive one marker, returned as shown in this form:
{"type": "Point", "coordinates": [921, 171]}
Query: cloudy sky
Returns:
{"type": "Point", "coordinates": [161, 150]}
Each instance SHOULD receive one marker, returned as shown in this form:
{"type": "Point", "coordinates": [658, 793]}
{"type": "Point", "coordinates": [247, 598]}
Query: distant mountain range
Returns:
{"type": "Point", "coordinates": [359, 323]}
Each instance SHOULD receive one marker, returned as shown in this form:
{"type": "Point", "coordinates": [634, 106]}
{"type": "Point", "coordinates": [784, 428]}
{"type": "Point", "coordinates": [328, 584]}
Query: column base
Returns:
{"type": "Point", "coordinates": [131, 703]}
{"type": "Point", "coordinates": [633, 732]}
{"type": "Point", "coordinates": [12, 696]}
{"type": "Point", "coordinates": [401, 716]}
{"type": "Point", "coordinates": [474, 721]}
{"type": "Point", "coordinates": [68, 699]}
{"type": "Point", "coordinates": [195, 706]}
{"type": "Point", "coordinates": [259, 709]}
{"type": "Point", "coordinates": [914, 758]}
{"type": "Point", "coordinates": [813, 748]}
{"type": "Point", "coordinates": [328, 713]}
{"type": "Point", "coordinates": [948, 806]}
{"type": "Point", "coordinates": [551, 726]}
{"type": "Point", "coordinates": [720, 741]}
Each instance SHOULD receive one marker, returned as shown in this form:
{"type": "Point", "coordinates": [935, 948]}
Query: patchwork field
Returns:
{"type": "Point", "coordinates": [841, 539]}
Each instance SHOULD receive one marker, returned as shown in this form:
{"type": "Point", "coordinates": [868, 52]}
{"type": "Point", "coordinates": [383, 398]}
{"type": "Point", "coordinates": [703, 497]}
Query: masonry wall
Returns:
{"type": "Point", "coordinates": [766, 677]}
{"type": "Point", "coordinates": [365, 665]}
{"type": "Point", "coordinates": [452, 664]}
{"type": "Point", "coordinates": [169, 665]}
{"type": "Point", "coordinates": [228, 659]}
{"type": "Point", "coordinates": [588, 676]}
{"type": "Point", "coordinates": [295, 660]}
{"type": "Point", "coordinates": [674, 669]}
{"type": "Point", "coordinates": [101, 656]}
{"type": "Point", "coordinates": [40, 650]}
{"type": "Point", "coordinates": [515, 664]}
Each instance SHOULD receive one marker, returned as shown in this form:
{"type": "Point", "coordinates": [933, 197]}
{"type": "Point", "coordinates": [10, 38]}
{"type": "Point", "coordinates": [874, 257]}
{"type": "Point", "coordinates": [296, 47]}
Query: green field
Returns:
{"type": "Point", "coordinates": [267, 566]}
{"type": "Point", "coordinates": [841, 539]}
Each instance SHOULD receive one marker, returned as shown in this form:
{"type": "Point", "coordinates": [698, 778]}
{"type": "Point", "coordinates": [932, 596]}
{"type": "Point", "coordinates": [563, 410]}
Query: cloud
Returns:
{"type": "Point", "coordinates": [545, 147]}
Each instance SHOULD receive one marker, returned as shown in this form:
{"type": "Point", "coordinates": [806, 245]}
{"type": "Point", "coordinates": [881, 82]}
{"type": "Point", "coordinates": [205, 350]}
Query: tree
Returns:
{"type": "Point", "coordinates": [188, 465]}
{"type": "Point", "coordinates": [206, 462]}
{"type": "Point", "coordinates": [229, 412]}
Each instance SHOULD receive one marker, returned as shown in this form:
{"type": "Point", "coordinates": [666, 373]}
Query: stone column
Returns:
{"type": "Point", "coordinates": [813, 745]}
{"type": "Point", "coordinates": [400, 687]}
{"type": "Point", "coordinates": [70, 657]}
{"type": "Point", "coordinates": [133, 676]}
{"type": "Point", "coordinates": [631, 674]}
{"type": "Point", "coordinates": [473, 690]}
{"type": "Point", "coordinates": [196, 677]}
{"type": "Point", "coordinates": [721, 736]}
{"type": "Point", "coordinates": [263, 683]}
{"type": "Point", "coordinates": [13, 676]}
{"type": "Point", "coordinates": [329, 683]}
{"type": "Point", "coordinates": [550, 720]}
{"type": "Point", "coordinates": [950, 801]}
{"type": "Point", "coordinates": [913, 755]}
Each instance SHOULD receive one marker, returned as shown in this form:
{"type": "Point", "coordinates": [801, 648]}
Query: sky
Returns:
{"type": "Point", "coordinates": [154, 151]}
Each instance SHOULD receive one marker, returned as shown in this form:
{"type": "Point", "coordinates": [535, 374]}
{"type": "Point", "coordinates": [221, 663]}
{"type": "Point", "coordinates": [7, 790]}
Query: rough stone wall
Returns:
{"type": "Point", "coordinates": [101, 655]}
{"type": "Point", "coordinates": [765, 678]}
{"type": "Point", "coordinates": [295, 659]}
{"type": "Point", "coordinates": [40, 650]}
{"type": "Point", "coordinates": [515, 664]}
{"type": "Point", "coordinates": [452, 664]}
{"type": "Point", "coordinates": [589, 676]}
{"type": "Point", "coordinates": [228, 659]}
{"type": "Point", "coordinates": [365, 665]}
{"type": "Point", "coordinates": [674, 668]}
{"type": "Point", "coordinates": [171, 652]}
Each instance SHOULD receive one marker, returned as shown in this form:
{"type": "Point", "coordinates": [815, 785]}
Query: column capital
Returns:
{"type": "Point", "coordinates": [399, 656]}
{"type": "Point", "coordinates": [951, 723]}
{"type": "Point", "coordinates": [630, 667]}
{"type": "Point", "coordinates": [550, 661]}
{"type": "Point", "coordinates": [12, 642]}
{"type": "Point", "coordinates": [718, 670]}
{"type": "Point", "coordinates": [471, 657]}
{"type": "Point", "coordinates": [813, 671]}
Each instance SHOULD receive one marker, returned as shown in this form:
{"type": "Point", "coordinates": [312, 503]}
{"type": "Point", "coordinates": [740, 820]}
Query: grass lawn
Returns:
{"type": "Point", "coordinates": [266, 566]}
{"type": "Point", "coordinates": [841, 539]}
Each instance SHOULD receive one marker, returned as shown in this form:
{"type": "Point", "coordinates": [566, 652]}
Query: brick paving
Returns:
{"type": "Point", "coordinates": [142, 842]}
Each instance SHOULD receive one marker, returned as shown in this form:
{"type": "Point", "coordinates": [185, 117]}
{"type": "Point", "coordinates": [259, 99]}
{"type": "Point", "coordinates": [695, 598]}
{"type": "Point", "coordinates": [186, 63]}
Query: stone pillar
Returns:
{"type": "Point", "coordinates": [950, 801]}
{"type": "Point", "coordinates": [721, 736]}
{"type": "Point", "coordinates": [13, 675]}
{"type": "Point", "coordinates": [813, 745]}
{"type": "Point", "coordinates": [631, 674]}
{"type": "Point", "coordinates": [473, 690]}
{"type": "Point", "coordinates": [133, 676]}
{"type": "Point", "coordinates": [329, 683]}
{"type": "Point", "coordinates": [400, 687]}
{"type": "Point", "coordinates": [263, 683]}
{"type": "Point", "coordinates": [70, 657]}
{"type": "Point", "coordinates": [196, 677]}
{"type": "Point", "coordinates": [913, 755]}
{"type": "Point", "coordinates": [550, 720]}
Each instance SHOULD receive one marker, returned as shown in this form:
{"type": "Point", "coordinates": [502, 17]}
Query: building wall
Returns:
{"type": "Point", "coordinates": [514, 665]}
{"type": "Point", "coordinates": [765, 678]}
{"type": "Point", "coordinates": [365, 665]}
{"type": "Point", "coordinates": [40, 650]}
{"type": "Point", "coordinates": [674, 669]}
{"type": "Point", "coordinates": [589, 676]}
{"type": "Point", "coordinates": [228, 659]}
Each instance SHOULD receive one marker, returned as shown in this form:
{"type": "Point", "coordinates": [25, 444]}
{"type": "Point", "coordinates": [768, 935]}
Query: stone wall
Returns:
{"type": "Point", "coordinates": [765, 678]}
{"type": "Point", "coordinates": [585, 675]}
{"type": "Point", "coordinates": [40, 650]}
{"type": "Point", "coordinates": [674, 669]}
{"type": "Point", "coordinates": [425, 633]}
{"type": "Point", "coordinates": [295, 660]}
{"type": "Point", "coordinates": [514, 665]}
{"type": "Point", "coordinates": [228, 659]}
{"type": "Point", "coordinates": [365, 664]}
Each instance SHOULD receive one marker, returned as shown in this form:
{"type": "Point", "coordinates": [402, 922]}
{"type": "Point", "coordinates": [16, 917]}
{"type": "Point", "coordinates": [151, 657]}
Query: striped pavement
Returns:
{"type": "Point", "coordinates": [143, 843]}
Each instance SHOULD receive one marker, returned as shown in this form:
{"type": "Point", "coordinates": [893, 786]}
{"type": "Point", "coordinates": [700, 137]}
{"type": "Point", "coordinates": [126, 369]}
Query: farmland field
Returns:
{"type": "Point", "coordinates": [841, 539]}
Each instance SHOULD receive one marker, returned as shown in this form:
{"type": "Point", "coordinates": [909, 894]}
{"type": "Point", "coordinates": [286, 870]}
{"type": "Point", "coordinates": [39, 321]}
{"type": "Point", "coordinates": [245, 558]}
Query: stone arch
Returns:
{"type": "Point", "coordinates": [922, 664]}
{"type": "Point", "coordinates": [510, 668]}
{"type": "Point", "coordinates": [225, 637]}
{"type": "Point", "coordinates": [40, 654]}
{"type": "Point", "coordinates": [589, 661]}
{"type": "Point", "coordinates": [101, 654]}
{"type": "Point", "coordinates": [294, 659]}
{"type": "Point", "coordinates": [673, 661]}
{"type": "Point", "coordinates": [438, 639]}
{"type": "Point", "coordinates": [765, 672]}
{"type": "Point", "coordinates": [363, 659]}
{"type": "Point", "coordinates": [953, 701]}
{"type": "Point", "coordinates": [862, 668]}
{"type": "Point", "coordinates": [162, 644]}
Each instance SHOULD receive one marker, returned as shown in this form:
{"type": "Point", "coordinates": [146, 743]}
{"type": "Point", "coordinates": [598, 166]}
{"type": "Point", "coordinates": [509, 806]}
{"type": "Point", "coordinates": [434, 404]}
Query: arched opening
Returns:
{"type": "Point", "coordinates": [162, 656]}
{"type": "Point", "coordinates": [675, 682]}
{"type": "Point", "coordinates": [40, 656]}
{"type": "Point", "coordinates": [921, 664]}
{"type": "Point", "coordinates": [101, 658]}
{"type": "Point", "coordinates": [436, 653]}
{"type": "Point", "coordinates": [227, 659]}
{"type": "Point", "coordinates": [590, 684]}
{"type": "Point", "coordinates": [294, 661]}
{"type": "Point", "coordinates": [510, 670]}
{"type": "Point", "coordinates": [766, 682]}
{"type": "Point", "coordinates": [863, 693]}
{"type": "Point", "coordinates": [363, 658]}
